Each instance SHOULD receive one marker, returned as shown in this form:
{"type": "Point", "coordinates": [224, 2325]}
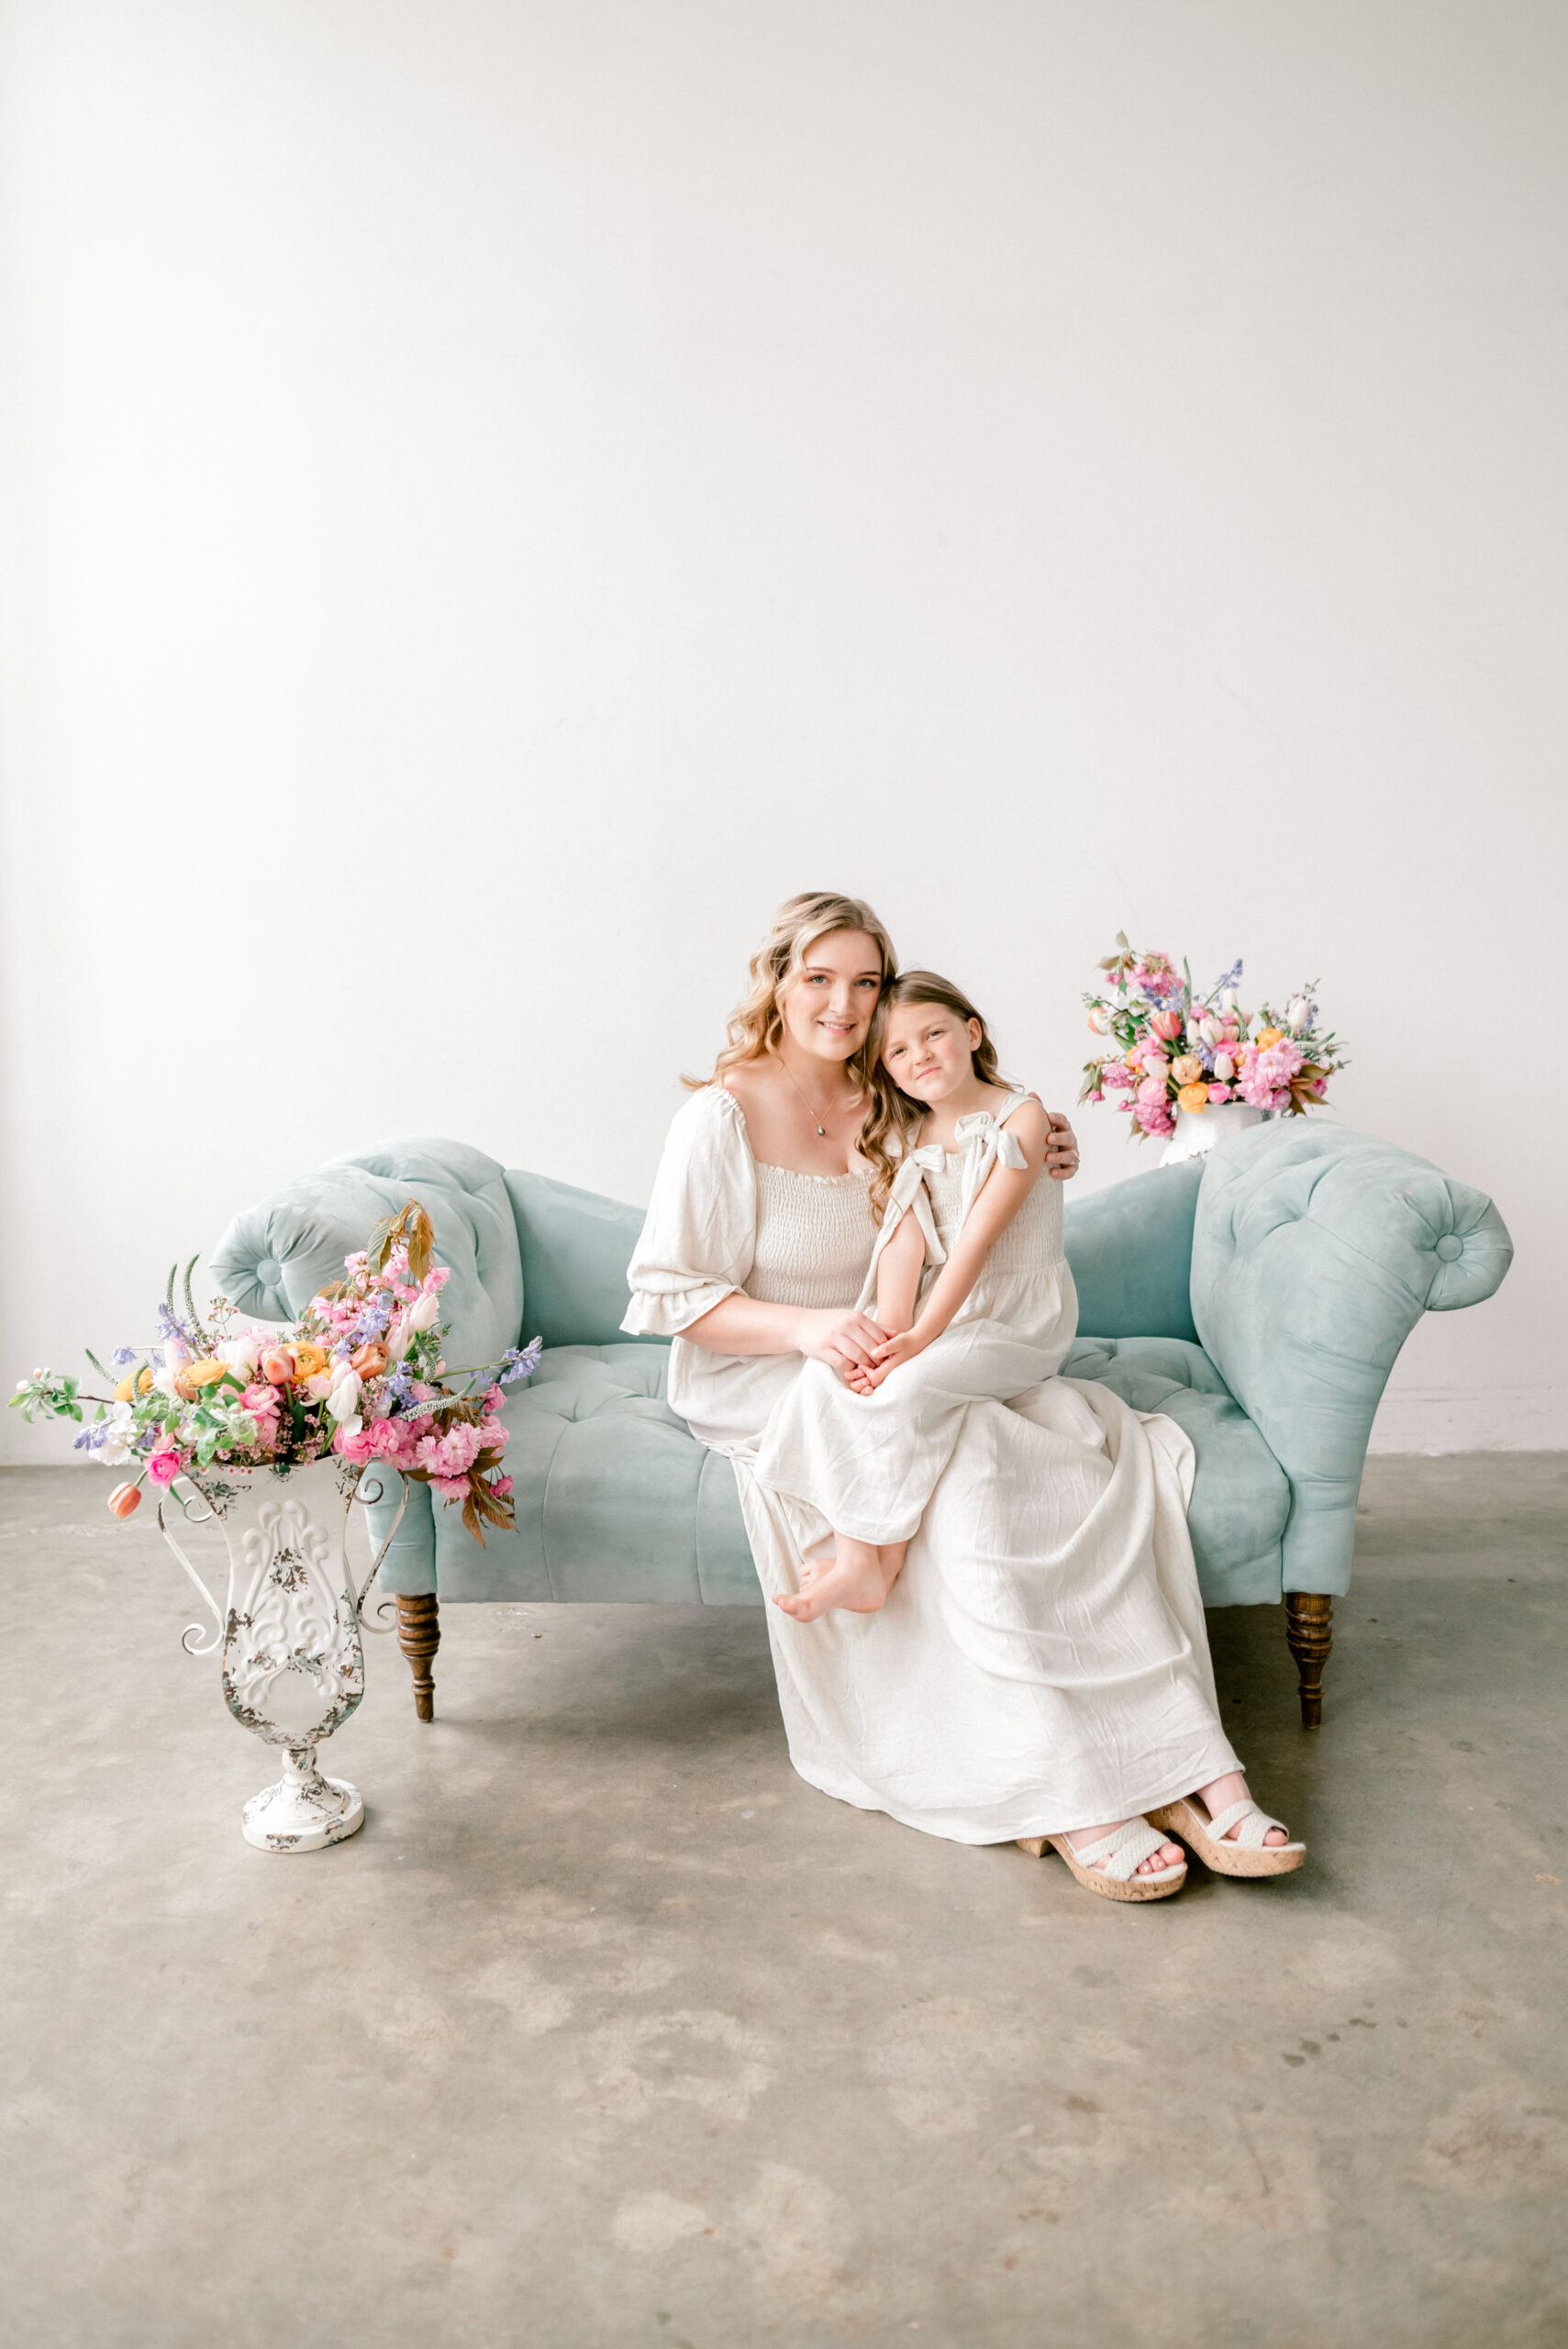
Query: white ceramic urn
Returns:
{"type": "Point", "coordinates": [1199, 1130]}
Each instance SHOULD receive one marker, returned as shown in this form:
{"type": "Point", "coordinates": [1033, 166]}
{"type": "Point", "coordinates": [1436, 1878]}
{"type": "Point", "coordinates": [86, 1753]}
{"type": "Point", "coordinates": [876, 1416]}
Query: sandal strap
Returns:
{"type": "Point", "coordinates": [1124, 1849]}
{"type": "Point", "coordinates": [1255, 1825]}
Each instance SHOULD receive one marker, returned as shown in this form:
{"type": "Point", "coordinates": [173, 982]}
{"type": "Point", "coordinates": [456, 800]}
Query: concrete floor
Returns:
{"type": "Point", "coordinates": [606, 2031]}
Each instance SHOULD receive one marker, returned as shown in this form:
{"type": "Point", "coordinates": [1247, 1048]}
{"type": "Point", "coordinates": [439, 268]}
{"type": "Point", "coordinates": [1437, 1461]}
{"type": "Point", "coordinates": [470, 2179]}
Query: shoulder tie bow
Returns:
{"type": "Point", "coordinates": [986, 1140]}
{"type": "Point", "coordinates": [907, 1197]}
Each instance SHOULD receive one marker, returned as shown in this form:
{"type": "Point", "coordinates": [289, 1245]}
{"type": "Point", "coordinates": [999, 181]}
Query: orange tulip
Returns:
{"type": "Point", "coordinates": [369, 1360]}
{"type": "Point", "coordinates": [125, 1499]}
{"type": "Point", "coordinates": [277, 1366]}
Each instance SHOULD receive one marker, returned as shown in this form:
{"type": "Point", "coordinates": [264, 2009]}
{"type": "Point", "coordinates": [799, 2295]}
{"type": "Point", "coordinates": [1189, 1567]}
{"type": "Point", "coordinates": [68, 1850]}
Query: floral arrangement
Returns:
{"type": "Point", "coordinates": [359, 1374]}
{"type": "Point", "coordinates": [1176, 1049]}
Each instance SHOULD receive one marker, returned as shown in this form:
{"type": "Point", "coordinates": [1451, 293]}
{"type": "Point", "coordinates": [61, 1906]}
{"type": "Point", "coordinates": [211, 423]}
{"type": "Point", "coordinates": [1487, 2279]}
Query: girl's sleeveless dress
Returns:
{"type": "Point", "coordinates": [1042, 1662]}
{"type": "Point", "coordinates": [869, 1464]}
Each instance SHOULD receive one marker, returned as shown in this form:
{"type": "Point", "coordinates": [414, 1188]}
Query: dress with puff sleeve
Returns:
{"type": "Point", "coordinates": [697, 1240]}
{"type": "Point", "coordinates": [697, 1247]}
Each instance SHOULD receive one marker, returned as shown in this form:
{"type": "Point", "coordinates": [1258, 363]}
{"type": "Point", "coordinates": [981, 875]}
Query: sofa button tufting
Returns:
{"type": "Point", "coordinates": [267, 1271]}
{"type": "Point", "coordinates": [1450, 1247]}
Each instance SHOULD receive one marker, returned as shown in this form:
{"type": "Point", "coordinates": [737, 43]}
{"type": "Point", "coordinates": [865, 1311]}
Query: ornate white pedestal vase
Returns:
{"type": "Point", "coordinates": [1199, 1130]}
{"type": "Point", "coordinates": [289, 1631]}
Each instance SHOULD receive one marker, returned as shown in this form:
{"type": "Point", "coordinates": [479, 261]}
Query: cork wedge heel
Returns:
{"type": "Point", "coordinates": [1122, 1850]}
{"type": "Point", "coordinates": [1246, 1854]}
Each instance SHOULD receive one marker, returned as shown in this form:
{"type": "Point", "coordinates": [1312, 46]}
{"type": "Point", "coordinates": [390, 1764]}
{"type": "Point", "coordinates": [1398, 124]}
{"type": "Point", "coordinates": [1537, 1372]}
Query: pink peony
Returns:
{"type": "Point", "coordinates": [1151, 1094]}
{"type": "Point", "coordinates": [1155, 1118]}
{"type": "Point", "coordinates": [261, 1401]}
{"type": "Point", "coordinates": [164, 1464]}
{"type": "Point", "coordinates": [451, 1454]}
{"type": "Point", "coordinates": [1219, 1092]}
{"type": "Point", "coordinates": [358, 1447]}
{"type": "Point", "coordinates": [1265, 1076]}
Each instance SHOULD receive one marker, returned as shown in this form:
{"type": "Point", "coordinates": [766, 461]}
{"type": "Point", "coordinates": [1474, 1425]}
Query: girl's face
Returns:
{"type": "Point", "coordinates": [926, 1051]}
{"type": "Point", "coordinates": [828, 1011]}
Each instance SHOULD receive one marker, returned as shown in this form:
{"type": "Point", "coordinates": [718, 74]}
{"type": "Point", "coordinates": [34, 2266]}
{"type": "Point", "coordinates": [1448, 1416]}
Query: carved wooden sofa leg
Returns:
{"type": "Point", "coordinates": [1310, 1633]}
{"type": "Point", "coordinates": [419, 1635]}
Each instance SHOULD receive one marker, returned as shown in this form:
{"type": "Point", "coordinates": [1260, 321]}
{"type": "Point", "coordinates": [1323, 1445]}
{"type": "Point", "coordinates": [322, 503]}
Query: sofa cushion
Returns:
{"type": "Point", "coordinates": [1241, 1495]}
{"type": "Point", "coordinates": [616, 1500]}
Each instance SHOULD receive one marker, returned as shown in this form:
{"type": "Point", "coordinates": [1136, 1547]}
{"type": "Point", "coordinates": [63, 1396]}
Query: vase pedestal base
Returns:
{"type": "Point", "coordinates": [304, 1811]}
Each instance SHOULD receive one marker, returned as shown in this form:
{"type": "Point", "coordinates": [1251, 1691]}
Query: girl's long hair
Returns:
{"type": "Point", "coordinates": [892, 1116]}
{"type": "Point", "coordinates": [756, 1025]}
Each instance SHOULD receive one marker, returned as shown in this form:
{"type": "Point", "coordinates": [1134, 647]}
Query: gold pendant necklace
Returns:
{"type": "Point", "coordinates": [815, 1115]}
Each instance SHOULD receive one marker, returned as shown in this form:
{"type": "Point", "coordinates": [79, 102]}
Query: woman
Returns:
{"type": "Point", "coordinates": [1041, 1668]}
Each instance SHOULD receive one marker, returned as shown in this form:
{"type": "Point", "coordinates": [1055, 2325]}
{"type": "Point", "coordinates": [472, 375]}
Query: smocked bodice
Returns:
{"type": "Point", "coordinates": [814, 1239]}
{"type": "Point", "coordinates": [1030, 1243]}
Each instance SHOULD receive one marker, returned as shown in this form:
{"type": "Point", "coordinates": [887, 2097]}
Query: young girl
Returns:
{"type": "Point", "coordinates": [998, 1314]}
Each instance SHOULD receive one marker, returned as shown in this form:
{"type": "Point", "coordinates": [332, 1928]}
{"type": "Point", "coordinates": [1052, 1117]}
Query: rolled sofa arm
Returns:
{"type": "Point", "coordinates": [274, 1257]}
{"type": "Point", "coordinates": [1315, 1254]}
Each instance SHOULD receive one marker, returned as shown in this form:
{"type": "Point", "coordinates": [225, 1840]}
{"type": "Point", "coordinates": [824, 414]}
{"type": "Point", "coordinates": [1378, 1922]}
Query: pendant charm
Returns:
{"type": "Point", "coordinates": [821, 1130]}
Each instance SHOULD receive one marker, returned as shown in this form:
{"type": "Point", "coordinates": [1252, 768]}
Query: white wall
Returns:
{"type": "Point", "coordinates": [499, 494]}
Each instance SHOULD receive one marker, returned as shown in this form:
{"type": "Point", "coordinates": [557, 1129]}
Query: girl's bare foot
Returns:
{"type": "Point", "coordinates": [1167, 1856]}
{"type": "Point", "coordinates": [1221, 1794]}
{"type": "Point", "coordinates": [854, 1577]}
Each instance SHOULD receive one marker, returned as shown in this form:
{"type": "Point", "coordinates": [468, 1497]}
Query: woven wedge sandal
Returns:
{"type": "Point", "coordinates": [1247, 1854]}
{"type": "Point", "coordinates": [1122, 1850]}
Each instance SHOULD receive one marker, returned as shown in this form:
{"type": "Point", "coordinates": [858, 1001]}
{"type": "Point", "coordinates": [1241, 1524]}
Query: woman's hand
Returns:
{"type": "Point", "coordinates": [846, 1342]}
{"type": "Point", "coordinates": [1061, 1148]}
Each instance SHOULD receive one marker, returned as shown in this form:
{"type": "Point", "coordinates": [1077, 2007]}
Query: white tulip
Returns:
{"type": "Point", "coordinates": [1211, 1030]}
{"type": "Point", "coordinates": [397, 1337]}
{"type": "Point", "coordinates": [424, 1311]}
{"type": "Point", "coordinates": [176, 1353]}
{"type": "Point", "coordinates": [1224, 1067]}
{"type": "Point", "coordinates": [116, 1447]}
{"type": "Point", "coordinates": [344, 1399]}
{"type": "Point", "coordinates": [240, 1353]}
{"type": "Point", "coordinates": [1296, 1017]}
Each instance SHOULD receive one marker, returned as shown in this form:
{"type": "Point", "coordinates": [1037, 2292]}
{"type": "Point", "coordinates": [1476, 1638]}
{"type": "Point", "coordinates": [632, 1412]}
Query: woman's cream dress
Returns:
{"type": "Point", "coordinates": [1042, 1662]}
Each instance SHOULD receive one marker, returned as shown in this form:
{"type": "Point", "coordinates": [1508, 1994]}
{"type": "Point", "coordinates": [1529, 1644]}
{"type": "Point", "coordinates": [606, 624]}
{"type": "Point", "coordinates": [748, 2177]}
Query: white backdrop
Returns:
{"type": "Point", "coordinates": [497, 495]}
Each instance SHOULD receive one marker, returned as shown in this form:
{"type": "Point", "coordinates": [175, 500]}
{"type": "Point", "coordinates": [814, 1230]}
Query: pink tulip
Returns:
{"type": "Point", "coordinates": [1166, 1025]}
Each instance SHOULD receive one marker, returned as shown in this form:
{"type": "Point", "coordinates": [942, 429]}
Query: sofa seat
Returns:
{"type": "Point", "coordinates": [616, 1500]}
{"type": "Point", "coordinates": [1241, 1501]}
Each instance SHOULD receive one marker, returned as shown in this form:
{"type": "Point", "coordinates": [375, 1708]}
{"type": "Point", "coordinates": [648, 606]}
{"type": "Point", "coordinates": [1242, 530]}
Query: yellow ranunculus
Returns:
{"type": "Point", "coordinates": [1187, 1070]}
{"type": "Point", "coordinates": [138, 1382]}
{"type": "Point", "coordinates": [309, 1361]}
{"type": "Point", "coordinates": [191, 1376]}
{"type": "Point", "coordinates": [1267, 1036]}
{"type": "Point", "coordinates": [1192, 1097]}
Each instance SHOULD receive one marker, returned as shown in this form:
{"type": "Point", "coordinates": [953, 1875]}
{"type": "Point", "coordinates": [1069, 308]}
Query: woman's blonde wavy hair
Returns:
{"type": "Point", "coordinates": [892, 1118]}
{"type": "Point", "coordinates": [756, 1024]}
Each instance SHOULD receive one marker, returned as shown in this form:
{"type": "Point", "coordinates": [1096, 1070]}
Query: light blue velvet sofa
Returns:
{"type": "Point", "coordinates": [1259, 1295]}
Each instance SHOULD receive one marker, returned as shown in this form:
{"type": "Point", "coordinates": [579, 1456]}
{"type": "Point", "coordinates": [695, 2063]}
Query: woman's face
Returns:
{"type": "Point", "coordinates": [927, 1049]}
{"type": "Point", "coordinates": [828, 1011]}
